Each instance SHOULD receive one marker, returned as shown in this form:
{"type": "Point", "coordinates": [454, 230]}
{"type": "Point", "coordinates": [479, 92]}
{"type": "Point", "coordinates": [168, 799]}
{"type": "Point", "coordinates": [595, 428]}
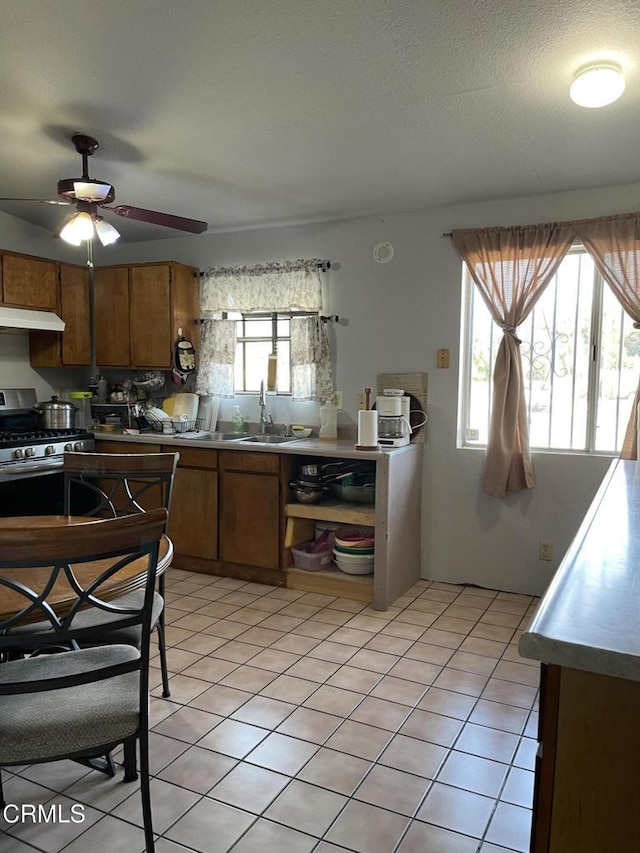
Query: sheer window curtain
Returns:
{"type": "Point", "coordinates": [614, 245]}
{"type": "Point", "coordinates": [511, 267]}
{"type": "Point", "coordinates": [311, 372]}
{"type": "Point", "coordinates": [217, 358]}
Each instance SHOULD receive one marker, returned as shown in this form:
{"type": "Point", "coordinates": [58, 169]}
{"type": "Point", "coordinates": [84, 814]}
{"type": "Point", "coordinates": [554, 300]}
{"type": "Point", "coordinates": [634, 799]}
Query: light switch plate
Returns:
{"type": "Point", "coordinates": [338, 398]}
{"type": "Point", "coordinates": [442, 358]}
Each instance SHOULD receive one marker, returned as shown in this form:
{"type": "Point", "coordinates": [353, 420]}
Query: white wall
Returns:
{"type": "Point", "coordinates": [397, 316]}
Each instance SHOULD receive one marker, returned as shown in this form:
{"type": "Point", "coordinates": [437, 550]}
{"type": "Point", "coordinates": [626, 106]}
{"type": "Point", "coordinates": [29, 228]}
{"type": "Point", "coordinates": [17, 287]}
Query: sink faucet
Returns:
{"type": "Point", "coordinates": [263, 409]}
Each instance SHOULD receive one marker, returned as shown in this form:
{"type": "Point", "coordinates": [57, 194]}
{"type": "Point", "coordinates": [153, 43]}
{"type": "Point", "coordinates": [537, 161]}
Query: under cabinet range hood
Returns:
{"type": "Point", "coordinates": [23, 318]}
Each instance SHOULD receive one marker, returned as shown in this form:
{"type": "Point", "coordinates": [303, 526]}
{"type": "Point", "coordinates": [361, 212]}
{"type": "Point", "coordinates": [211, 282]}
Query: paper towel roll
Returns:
{"type": "Point", "coordinates": [367, 428]}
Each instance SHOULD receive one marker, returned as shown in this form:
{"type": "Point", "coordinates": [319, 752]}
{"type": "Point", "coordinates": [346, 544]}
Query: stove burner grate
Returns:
{"type": "Point", "coordinates": [30, 435]}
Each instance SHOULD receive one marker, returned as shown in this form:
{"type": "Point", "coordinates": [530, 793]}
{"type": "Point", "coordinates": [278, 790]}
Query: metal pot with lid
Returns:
{"type": "Point", "coordinates": [56, 414]}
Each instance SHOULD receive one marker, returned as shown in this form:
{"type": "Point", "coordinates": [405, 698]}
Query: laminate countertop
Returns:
{"type": "Point", "coordinates": [589, 618]}
{"type": "Point", "coordinates": [341, 448]}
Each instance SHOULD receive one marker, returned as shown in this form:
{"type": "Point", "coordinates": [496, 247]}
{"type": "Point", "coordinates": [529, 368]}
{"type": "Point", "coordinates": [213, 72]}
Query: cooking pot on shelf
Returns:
{"type": "Point", "coordinates": [56, 414]}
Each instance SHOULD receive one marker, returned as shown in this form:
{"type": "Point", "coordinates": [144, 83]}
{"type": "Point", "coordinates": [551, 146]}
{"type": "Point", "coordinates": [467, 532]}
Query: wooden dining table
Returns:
{"type": "Point", "coordinates": [61, 597]}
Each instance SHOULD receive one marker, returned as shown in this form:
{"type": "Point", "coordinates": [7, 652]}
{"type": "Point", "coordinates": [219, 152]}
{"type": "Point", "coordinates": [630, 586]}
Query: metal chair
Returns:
{"type": "Point", "coordinates": [110, 485]}
{"type": "Point", "coordinates": [82, 703]}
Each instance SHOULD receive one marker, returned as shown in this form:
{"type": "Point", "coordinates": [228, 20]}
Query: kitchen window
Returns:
{"type": "Point", "coordinates": [257, 337]}
{"type": "Point", "coordinates": [580, 359]}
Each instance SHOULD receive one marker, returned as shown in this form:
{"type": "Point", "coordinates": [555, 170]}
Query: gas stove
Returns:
{"type": "Point", "coordinates": [27, 450]}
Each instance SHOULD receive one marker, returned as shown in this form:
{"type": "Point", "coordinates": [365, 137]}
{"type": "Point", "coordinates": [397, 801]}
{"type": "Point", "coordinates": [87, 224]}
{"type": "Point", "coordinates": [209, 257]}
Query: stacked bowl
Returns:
{"type": "Point", "coordinates": [353, 549]}
{"type": "Point", "coordinates": [308, 488]}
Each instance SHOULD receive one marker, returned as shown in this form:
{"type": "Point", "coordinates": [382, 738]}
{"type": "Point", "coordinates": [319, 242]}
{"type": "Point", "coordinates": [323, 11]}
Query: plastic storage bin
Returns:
{"type": "Point", "coordinates": [303, 558]}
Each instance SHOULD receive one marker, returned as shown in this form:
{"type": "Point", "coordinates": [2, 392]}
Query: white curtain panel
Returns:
{"type": "Point", "coordinates": [217, 358]}
{"type": "Point", "coordinates": [311, 371]}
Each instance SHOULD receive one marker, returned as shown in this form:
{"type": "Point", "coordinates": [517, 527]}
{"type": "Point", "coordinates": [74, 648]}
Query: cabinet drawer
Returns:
{"type": "Point", "coordinates": [191, 457]}
{"type": "Point", "coordinates": [246, 460]}
{"type": "Point", "coordinates": [126, 447]}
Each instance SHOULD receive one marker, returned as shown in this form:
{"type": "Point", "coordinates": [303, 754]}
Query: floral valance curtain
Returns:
{"type": "Point", "coordinates": [311, 373]}
{"type": "Point", "coordinates": [614, 245]}
{"type": "Point", "coordinates": [217, 357]}
{"type": "Point", "coordinates": [273, 287]}
{"type": "Point", "coordinates": [511, 267]}
{"type": "Point", "coordinates": [286, 286]}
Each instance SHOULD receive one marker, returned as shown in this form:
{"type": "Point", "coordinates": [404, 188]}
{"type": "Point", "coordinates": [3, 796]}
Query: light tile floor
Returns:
{"type": "Point", "coordinates": [300, 722]}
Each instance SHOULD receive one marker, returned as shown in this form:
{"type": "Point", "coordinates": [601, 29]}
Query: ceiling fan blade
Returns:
{"type": "Point", "coordinates": [195, 226]}
{"type": "Point", "coordinates": [40, 200]}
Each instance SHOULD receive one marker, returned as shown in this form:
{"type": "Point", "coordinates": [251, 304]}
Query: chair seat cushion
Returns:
{"type": "Point", "coordinates": [94, 617]}
{"type": "Point", "coordinates": [74, 720]}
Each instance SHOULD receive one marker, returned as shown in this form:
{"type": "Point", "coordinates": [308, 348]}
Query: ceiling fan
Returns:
{"type": "Point", "coordinates": [90, 196]}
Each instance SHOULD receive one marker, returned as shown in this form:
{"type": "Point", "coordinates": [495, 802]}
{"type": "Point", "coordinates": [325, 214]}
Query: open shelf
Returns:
{"type": "Point", "coordinates": [347, 513]}
{"type": "Point", "coordinates": [332, 582]}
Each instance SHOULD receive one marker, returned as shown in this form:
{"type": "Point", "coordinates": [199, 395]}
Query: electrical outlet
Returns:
{"type": "Point", "coordinates": [338, 398]}
{"type": "Point", "coordinates": [545, 550]}
{"type": "Point", "coordinates": [361, 401]}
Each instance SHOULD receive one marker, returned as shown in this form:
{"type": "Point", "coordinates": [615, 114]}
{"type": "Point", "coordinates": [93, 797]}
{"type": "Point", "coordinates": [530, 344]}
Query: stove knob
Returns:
{"type": "Point", "coordinates": [29, 452]}
{"type": "Point", "coordinates": [68, 446]}
{"type": "Point", "coordinates": [77, 445]}
{"type": "Point", "coordinates": [50, 450]}
{"type": "Point", "coordinates": [18, 454]}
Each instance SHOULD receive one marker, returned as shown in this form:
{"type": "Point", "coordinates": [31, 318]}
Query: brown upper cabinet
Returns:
{"type": "Point", "coordinates": [29, 282]}
{"type": "Point", "coordinates": [139, 309]}
{"type": "Point", "coordinates": [111, 301]}
{"type": "Point", "coordinates": [57, 349]}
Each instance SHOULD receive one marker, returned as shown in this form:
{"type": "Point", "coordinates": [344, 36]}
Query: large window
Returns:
{"type": "Point", "coordinates": [580, 360]}
{"type": "Point", "coordinates": [258, 336]}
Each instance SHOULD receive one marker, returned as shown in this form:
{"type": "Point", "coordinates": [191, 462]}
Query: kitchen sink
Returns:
{"type": "Point", "coordinates": [227, 436]}
{"type": "Point", "coordinates": [270, 439]}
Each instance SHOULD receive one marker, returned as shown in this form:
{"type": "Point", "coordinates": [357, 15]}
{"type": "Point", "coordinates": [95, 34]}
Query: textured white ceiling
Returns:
{"type": "Point", "coordinates": [248, 113]}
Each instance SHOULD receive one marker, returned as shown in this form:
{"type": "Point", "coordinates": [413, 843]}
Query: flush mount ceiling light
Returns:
{"type": "Point", "coordinates": [597, 84]}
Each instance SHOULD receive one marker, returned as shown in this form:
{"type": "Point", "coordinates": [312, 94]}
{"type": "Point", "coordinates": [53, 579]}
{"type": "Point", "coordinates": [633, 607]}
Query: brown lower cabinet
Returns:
{"type": "Point", "coordinates": [193, 519]}
{"type": "Point", "coordinates": [227, 510]}
{"type": "Point", "coordinates": [588, 764]}
{"type": "Point", "coordinates": [250, 509]}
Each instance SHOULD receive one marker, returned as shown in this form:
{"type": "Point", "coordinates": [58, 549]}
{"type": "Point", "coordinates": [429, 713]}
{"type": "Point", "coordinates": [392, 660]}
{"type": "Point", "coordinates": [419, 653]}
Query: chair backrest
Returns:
{"type": "Point", "coordinates": [51, 573]}
{"type": "Point", "coordinates": [108, 485]}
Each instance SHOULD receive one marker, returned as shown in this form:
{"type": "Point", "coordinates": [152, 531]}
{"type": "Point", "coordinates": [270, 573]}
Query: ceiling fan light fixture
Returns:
{"type": "Point", "coordinates": [597, 85]}
{"type": "Point", "coordinates": [79, 228]}
{"type": "Point", "coordinates": [107, 234]}
{"type": "Point", "coordinates": [91, 190]}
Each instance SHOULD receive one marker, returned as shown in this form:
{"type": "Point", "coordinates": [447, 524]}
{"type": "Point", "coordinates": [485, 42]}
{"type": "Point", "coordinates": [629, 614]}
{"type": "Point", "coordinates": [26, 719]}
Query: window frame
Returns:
{"type": "Point", "coordinates": [470, 294]}
{"type": "Point", "coordinates": [274, 339]}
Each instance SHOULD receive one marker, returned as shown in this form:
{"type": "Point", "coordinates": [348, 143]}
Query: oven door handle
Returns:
{"type": "Point", "coordinates": [29, 468]}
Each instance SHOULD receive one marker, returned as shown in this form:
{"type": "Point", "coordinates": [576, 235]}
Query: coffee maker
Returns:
{"type": "Point", "coordinates": [394, 428]}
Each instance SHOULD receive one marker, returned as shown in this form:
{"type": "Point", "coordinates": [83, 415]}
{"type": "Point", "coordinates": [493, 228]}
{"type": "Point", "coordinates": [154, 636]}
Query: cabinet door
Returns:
{"type": "Point", "coordinates": [71, 347]}
{"type": "Point", "coordinates": [111, 298]}
{"type": "Point", "coordinates": [185, 303]}
{"type": "Point", "coordinates": [29, 282]}
{"type": "Point", "coordinates": [250, 519]}
{"type": "Point", "coordinates": [74, 304]}
{"type": "Point", "coordinates": [150, 317]}
{"type": "Point", "coordinates": [193, 518]}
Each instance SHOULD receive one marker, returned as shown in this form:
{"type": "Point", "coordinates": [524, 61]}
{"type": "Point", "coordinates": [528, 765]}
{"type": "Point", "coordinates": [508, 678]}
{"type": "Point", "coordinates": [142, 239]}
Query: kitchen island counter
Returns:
{"type": "Point", "coordinates": [587, 770]}
{"type": "Point", "coordinates": [589, 617]}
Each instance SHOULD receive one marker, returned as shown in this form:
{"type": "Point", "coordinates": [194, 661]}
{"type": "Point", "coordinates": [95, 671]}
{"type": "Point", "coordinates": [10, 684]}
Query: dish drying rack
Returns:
{"type": "Point", "coordinates": [177, 426]}
{"type": "Point", "coordinates": [160, 421]}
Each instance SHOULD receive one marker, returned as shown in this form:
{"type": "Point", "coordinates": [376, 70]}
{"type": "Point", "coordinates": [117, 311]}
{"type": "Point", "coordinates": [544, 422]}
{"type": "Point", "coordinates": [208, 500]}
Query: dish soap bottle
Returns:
{"type": "Point", "coordinates": [237, 421]}
{"type": "Point", "coordinates": [328, 421]}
